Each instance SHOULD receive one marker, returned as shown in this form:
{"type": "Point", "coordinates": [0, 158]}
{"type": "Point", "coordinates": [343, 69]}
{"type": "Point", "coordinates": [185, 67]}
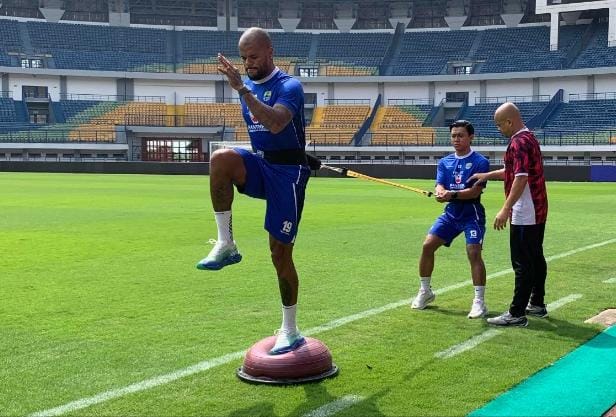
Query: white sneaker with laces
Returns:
{"type": "Point", "coordinates": [287, 341]}
{"type": "Point", "coordinates": [422, 299]}
{"type": "Point", "coordinates": [221, 255]}
{"type": "Point", "coordinates": [478, 309]}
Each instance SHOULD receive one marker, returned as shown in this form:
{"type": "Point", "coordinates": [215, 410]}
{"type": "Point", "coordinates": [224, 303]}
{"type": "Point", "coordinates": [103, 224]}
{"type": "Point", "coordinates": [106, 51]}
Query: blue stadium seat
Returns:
{"type": "Point", "coordinates": [597, 53]}
{"type": "Point", "coordinates": [584, 115]}
{"type": "Point", "coordinates": [482, 116]}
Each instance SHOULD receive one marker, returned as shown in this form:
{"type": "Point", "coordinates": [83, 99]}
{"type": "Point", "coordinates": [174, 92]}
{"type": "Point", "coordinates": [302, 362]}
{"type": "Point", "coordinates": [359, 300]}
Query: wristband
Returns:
{"type": "Point", "coordinates": [454, 195]}
{"type": "Point", "coordinates": [243, 90]}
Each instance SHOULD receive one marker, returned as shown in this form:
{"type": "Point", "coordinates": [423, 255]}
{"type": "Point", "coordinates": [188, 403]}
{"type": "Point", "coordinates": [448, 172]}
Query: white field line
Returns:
{"type": "Point", "coordinates": [490, 333]}
{"type": "Point", "coordinates": [565, 300]}
{"type": "Point", "coordinates": [610, 281]}
{"type": "Point", "coordinates": [332, 408]}
{"type": "Point", "coordinates": [224, 359]}
{"type": "Point", "coordinates": [468, 344]}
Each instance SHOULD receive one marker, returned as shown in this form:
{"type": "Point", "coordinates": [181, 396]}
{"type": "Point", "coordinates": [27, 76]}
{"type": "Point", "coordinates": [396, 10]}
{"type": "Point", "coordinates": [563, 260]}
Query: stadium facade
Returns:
{"type": "Point", "coordinates": [136, 80]}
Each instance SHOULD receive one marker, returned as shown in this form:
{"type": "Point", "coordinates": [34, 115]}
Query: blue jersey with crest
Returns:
{"type": "Point", "coordinates": [453, 173]}
{"type": "Point", "coordinates": [277, 88]}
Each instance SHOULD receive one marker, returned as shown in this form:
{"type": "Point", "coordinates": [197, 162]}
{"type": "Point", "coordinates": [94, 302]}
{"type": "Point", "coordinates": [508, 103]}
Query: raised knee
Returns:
{"type": "Point", "coordinates": [222, 155]}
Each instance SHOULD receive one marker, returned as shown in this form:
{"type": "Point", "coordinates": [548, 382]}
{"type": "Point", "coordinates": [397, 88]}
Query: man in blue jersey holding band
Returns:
{"type": "Point", "coordinates": [463, 213]}
{"type": "Point", "coordinates": [276, 170]}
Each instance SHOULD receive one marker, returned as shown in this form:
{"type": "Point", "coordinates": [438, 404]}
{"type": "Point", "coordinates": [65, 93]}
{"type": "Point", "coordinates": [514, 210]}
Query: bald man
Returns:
{"type": "Point", "coordinates": [275, 170]}
{"type": "Point", "coordinates": [526, 206]}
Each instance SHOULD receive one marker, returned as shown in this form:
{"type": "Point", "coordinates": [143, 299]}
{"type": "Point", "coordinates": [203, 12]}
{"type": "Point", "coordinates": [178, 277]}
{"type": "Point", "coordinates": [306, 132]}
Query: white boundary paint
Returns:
{"type": "Point", "coordinates": [332, 408]}
{"type": "Point", "coordinates": [565, 300]}
{"type": "Point", "coordinates": [610, 281]}
{"type": "Point", "coordinates": [224, 359]}
{"type": "Point", "coordinates": [490, 333]}
{"type": "Point", "coordinates": [468, 345]}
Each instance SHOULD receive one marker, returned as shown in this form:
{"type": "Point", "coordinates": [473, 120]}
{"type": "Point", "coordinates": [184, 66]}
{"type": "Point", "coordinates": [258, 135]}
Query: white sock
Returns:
{"type": "Point", "coordinates": [479, 292]}
{"type": "Point", "coordinates": [288, 318]}
{"type": "Point", "coordinates": [425, 283]}
{"type": "Point", "coordinates": [225, 227]}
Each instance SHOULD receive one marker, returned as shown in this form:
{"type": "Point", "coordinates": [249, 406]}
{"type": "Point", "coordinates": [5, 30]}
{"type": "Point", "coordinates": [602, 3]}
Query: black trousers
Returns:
{"type": "Point", "coordinates": [528, 262]}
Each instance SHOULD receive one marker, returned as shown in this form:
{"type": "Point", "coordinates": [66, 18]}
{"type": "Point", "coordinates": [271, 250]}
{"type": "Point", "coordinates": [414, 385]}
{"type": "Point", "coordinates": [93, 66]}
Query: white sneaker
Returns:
{"type": "Point", "coordinates": [422, 299]}
{"type": "Point", "coordinates": [287, 341]}
{"type": "Point", "coordinates": [478, 309]}
{"type": "Point", "coordinates": [221, 255]}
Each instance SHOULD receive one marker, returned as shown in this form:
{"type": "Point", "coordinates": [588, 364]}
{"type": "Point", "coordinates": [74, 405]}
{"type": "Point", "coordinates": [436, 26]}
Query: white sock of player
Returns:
{"type": "Point", "coordinates": [425, 283]}
{"type": "Point", "coordinates": [225, 227]}
{"type": "Point", "coordinates": [479, 292]}
{"type": "Point", "coordinates": [288, 318]}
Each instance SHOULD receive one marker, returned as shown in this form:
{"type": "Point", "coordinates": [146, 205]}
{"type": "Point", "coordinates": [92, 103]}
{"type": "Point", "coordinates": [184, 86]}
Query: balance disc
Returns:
{"type": "Point", "coordinates": [312, 361]}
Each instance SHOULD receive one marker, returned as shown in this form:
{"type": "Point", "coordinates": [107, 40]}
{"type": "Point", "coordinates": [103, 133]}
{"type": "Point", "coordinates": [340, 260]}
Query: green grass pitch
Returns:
{"type": "Point", "coordinates": [98, 291]}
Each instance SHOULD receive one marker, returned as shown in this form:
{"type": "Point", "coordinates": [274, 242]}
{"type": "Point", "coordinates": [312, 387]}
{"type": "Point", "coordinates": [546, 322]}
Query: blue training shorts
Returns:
{"type": "Point", "coordinates": [283, 187]}
{"type": "Point", "coordinates": [448, 229]}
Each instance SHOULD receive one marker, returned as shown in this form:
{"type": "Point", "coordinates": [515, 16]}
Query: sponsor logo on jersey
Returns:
{"type": "Point", "coordinates": [252, 117]}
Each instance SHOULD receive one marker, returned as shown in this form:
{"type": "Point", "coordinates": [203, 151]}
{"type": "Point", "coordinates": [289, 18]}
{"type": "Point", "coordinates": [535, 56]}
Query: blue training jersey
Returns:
{"type": "Point", "coordinates": [453, 173]}
{"type": "Point", "coordinates": [277, 88]}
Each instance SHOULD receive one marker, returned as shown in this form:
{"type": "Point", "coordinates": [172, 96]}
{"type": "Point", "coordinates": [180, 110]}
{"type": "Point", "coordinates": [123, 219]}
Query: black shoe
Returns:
{"type": "Point", "coordinates": [536, 311]}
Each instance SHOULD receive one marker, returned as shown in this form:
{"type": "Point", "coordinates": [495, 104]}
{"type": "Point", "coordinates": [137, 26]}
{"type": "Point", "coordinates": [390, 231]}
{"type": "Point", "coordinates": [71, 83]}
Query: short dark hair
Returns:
{"type": "Point", "coordinates": [463, 123]}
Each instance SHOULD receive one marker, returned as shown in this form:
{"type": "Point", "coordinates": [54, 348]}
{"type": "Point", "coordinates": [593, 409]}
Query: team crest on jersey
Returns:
{"type": "Point", "coordinates": [267, 95]}
{"type": "Point", "coordinates": [469, 165]}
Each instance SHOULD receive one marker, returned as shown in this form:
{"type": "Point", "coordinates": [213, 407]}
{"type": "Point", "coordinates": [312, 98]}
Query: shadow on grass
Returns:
{"type": "Point", "coordinates": [566, 329]}
{"type": "Point", "coordinates": [316, 396]}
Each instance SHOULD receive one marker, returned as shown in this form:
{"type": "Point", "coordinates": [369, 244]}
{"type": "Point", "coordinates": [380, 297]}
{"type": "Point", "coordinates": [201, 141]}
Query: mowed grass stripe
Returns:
{"type": "Point", "coordinates": [490, 333]}
{"type": "Point", "coordinates": [335, 406]}
{"type": "Point", "coordinates": [209, 364]}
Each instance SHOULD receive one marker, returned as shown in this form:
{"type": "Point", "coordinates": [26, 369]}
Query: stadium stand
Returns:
{"type": "Point", "coordinates": [7, 110]}
{"type": "Point", "coordinates": [372, 15]}
{"type": "Point", "coordinates": [175, 13]}
{"type": "Point", "coordinates": [336, 123]}
{"type": "Point", "coordinates": [87, 11]}
{"type": "Point", "coordinates": [425, 53]}
{"type": "Point", "coordinates": [402, 125]}
{"type": "Point", "coordinates": [482, 115]}
{"type": "Point", "coordinates": [258, 13]}
{"type": "Point", "coordinates": [584, 115]}
{"type": "Point", "coordinates": [428, 14]}
{"type": "Point", "coordinates": [94, 47]}
{"type": "Point", "coordinates": [202, 112]}
{"type": "Point", "coordinates": [524, 49]}
{"type": "Point", "coordinates": [317, 15]}
{"type": "Point", "coordinates": [356, 49]}
{"type": "Point", "coordinates": [597, 53]}
{"type": "Point", "coordinates": [113, 48]}
{"type": "Point", "coordinates": [21, 8]}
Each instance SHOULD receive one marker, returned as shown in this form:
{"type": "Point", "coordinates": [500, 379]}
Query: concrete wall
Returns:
{"type": "Point", "coordinates": [16, 82]}
{"type": "Point", "coordinates": [509, 88]}
{"type": "Point", "coordinates": [571, 85]}
{"type": "Point", "coordinates": [406, 91]}
{"type": "Point", "coordinates": [95, 86]}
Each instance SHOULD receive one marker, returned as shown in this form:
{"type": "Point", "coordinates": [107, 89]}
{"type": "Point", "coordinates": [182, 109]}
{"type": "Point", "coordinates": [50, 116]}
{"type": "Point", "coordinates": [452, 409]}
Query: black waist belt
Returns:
{"type": "Point", "coordinates": [285, 157]}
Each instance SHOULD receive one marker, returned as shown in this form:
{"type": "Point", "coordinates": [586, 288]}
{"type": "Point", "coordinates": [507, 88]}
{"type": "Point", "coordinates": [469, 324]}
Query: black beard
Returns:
{"type": "Point", "coordinates": [258, 76]}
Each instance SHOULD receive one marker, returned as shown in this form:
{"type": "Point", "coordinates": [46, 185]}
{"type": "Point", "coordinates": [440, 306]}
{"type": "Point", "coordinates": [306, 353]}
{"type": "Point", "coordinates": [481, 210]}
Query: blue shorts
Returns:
{"type": "Point", "coordinates": [447, 228]}
{"type": "Point", "coordinates": [283, 187]}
